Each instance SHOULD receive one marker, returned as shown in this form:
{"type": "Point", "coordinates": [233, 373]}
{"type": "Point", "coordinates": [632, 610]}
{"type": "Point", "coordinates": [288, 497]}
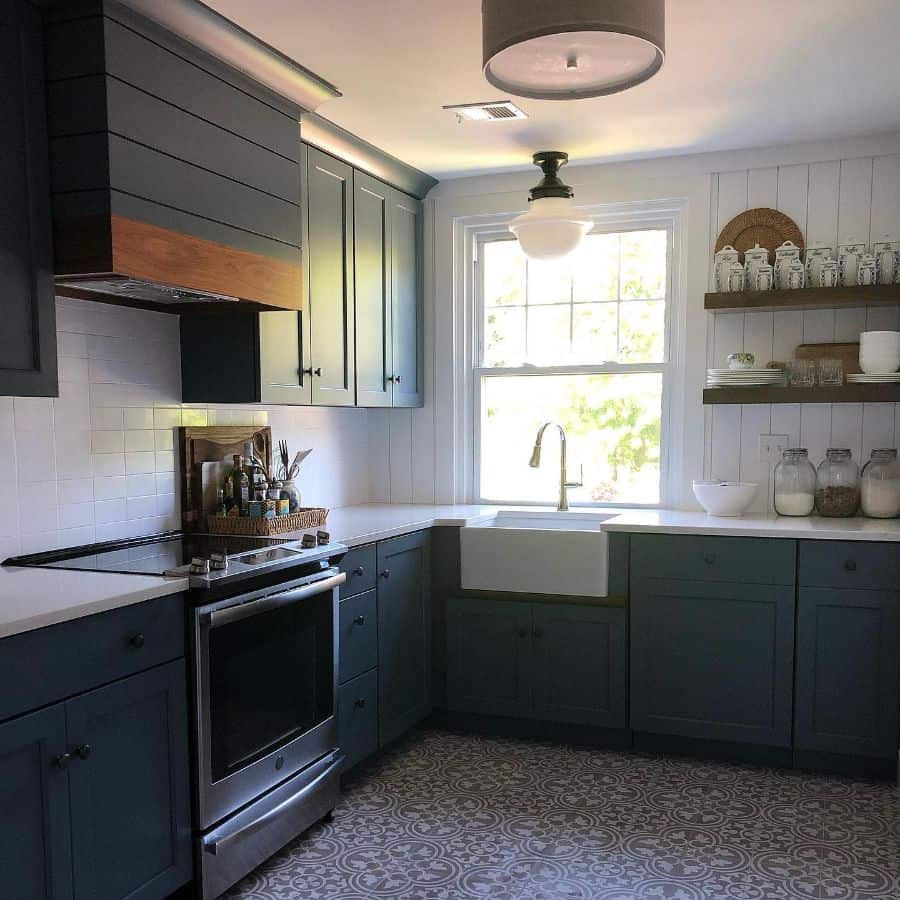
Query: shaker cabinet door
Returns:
{"type": "Point", "coordinates": [28, 334]}
{"type": "Point", "coordinates": [372, 267]}
{"type": "Point", "coordinates": [35, 842]}
{"type": "Point", "coordinates": [406, 299]}
{"type": "Point", "coordinates": [404, 634]}
{"type": "Point", "coordinates": [329, 263]}
{"type": "Point", "coordinates": [131, 821]}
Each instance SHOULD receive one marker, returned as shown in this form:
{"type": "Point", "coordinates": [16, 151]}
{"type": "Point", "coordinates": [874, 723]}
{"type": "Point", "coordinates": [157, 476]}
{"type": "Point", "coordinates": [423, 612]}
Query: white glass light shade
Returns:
{"type": "Point", "coordinates": [551, 229]}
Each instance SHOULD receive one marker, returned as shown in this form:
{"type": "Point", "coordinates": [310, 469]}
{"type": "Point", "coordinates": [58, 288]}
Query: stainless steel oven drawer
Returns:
{"type": "Point", "coordinates": [241, 843]}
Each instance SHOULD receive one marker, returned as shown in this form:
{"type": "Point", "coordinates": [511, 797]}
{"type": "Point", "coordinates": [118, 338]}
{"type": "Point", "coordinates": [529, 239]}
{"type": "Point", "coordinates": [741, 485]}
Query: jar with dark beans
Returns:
{"type": "Point", "coordinates": [837, 485]}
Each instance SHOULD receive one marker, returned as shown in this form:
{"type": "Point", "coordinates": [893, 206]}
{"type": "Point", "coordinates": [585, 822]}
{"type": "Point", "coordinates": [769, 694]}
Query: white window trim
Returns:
{"type": "Point", "coordinates": [642, 215]}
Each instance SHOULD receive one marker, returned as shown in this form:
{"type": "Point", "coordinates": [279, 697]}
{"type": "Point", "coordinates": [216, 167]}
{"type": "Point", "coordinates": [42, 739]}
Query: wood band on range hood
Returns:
{"type": "Point", "coordinates": [139, 251]}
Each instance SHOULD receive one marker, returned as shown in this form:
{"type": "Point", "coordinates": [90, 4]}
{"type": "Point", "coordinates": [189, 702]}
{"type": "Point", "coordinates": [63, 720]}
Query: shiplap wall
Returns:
{"type": "Point", "coordinates": [833, 202]}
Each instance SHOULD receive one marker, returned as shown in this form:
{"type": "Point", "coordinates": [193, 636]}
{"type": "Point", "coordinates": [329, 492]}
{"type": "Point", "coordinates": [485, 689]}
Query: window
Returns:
{"type": "Point", "coordinates": [581, 342]}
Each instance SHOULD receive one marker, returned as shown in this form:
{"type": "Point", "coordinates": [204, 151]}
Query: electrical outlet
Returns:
{"type": "Point", "coordinates": [771, 447]}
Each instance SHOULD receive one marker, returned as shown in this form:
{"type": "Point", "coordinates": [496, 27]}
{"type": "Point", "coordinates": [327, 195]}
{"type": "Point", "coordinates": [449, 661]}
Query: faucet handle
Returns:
{"type": "Point", "coordinates": [580, 482]}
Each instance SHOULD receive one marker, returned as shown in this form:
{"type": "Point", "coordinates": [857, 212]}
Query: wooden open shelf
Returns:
{"type": "Point", "coordinates": [849, 393]}
{"type": "Point", "coordinates": [804, 298]}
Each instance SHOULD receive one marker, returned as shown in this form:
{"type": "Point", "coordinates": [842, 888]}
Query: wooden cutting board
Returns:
{"type": "Point", "coordinates": [215, 443]}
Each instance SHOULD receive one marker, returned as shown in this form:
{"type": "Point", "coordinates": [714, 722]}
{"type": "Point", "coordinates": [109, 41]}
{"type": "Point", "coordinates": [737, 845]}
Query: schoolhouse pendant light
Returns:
{"type": "Point", "coordinates": [571, 49]}
{"type": "Point", "coordinates": [552, 228]}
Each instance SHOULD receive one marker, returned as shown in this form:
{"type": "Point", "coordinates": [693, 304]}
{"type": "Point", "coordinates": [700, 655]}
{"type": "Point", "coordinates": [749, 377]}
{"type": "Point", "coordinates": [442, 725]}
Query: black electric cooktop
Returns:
{"type": "Point", "coordinates": [145, 556]}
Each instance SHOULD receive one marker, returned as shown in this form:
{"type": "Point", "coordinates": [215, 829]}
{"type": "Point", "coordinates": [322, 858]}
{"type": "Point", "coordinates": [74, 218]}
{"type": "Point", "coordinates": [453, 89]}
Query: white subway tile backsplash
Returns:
{"type": "Point", "coordinates": [98, 462]}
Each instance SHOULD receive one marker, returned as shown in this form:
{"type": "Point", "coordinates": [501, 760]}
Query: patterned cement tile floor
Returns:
{"type": "Point", "coordinates": [447, 816]}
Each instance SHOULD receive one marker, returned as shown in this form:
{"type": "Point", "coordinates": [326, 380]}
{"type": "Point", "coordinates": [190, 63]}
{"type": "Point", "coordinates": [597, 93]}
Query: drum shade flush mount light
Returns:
{"type": "Point", "coordinates": [571, 49]}
{"type": "Point", "coordinates": [552, 227]}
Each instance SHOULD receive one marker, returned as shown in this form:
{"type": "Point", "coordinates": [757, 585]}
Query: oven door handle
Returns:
{"type": "Point", "coordinates": [273, 601]}
{"type": "Point", "coordinates": [217, 846]}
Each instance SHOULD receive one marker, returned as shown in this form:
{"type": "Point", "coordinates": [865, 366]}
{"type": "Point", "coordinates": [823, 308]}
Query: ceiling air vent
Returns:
{"type": "Point", "coordinates": [492, 111]}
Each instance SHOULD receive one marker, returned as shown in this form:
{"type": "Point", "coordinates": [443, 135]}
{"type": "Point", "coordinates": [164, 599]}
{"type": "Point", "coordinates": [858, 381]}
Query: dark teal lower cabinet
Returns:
{"type": "Point", "coordinates": [358, 716]}
{"type": "Point", "coordinates": [130, 794]}
{"type": "Point", "coordinates": [579, 664]}
{"type": "Point", "coordinates": [848, 656]}
{"type": "Point", "coordinates": [552, 661]}
{"type": "Point", "coordinates": [712, 660]}
{"type": "Point", "coordinates": [35, 831]}
{"type": "Point", "coordinates": [489, 657]}
{"type": "Point", "coordinates": [404, 634]}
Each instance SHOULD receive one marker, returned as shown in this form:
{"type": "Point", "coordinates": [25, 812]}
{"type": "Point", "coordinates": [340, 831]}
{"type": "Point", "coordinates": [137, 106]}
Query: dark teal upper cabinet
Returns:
{"type": "Point", "coordinates": [372, 242]}
{"type": "Point", "coordinates": [406, 299]}
{"type": "Point", "coordinates": [28, 335]}
{"type": "Point", "coordinates": [329, 271]}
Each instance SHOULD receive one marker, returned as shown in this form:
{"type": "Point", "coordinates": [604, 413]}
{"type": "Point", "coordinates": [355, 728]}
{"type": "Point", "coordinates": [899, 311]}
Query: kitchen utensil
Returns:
{"type": "Point", "coordinates": [786, 254]}
{"type": "Point", "coordinates": [848, 263]}
{"type": "Point", "coordinates": [759, 227]}
{"type": "Point", "coordinates": [724, 498]}
{"type": "Point", "coordinates": [879, 352]}
{"type": "Point", "coordinates": [724, 260]}
{"type": "Point", "coordinates": [815, 257]}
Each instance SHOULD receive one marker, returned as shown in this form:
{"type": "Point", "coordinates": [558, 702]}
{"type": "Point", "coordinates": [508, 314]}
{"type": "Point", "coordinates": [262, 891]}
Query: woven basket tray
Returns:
{"type": "Point", "coordinates": [304, 518]}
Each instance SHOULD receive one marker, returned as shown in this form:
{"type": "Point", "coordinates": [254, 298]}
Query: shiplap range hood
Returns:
{"type": "Point", "coordinates": [176, 175]}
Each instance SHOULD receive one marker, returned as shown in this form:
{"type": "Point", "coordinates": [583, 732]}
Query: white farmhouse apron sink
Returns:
{"type": "Point", "coordinates": [536, 552]}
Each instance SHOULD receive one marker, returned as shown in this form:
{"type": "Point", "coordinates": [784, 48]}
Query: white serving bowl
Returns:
{"type": "Point", "coordinates": [724, 498]}
{"type": "Point", "coordinates": [879, 352]}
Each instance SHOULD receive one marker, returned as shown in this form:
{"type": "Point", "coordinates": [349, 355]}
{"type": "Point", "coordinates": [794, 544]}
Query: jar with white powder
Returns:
{"type": "Point", "coordinates": [880, 488]}
{"type": "Point", "coordinates": [795, 483]}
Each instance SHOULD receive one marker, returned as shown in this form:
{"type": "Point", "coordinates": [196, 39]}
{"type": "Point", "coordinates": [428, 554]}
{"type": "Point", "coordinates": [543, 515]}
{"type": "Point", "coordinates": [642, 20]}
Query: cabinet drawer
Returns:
{"type": "Point", "coordinates": [82, 654]}
{"type": "Point", "coordinates": [704, 558]}
{"type": "Point", "coordinates": [358, 635]}
{"type": "Point", "coordinates": [359, 565]}
{"type": "Point", "coordinates": [850, 564]}
{"type": "Point", "coordinates": [358, 703]}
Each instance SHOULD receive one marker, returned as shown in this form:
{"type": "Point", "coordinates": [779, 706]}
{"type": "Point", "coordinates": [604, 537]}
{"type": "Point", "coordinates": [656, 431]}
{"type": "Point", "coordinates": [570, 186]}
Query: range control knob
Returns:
{"type": "Point", "coordinates": [199, 566]}
{"type": "Point", "coordinates": [218, 562]}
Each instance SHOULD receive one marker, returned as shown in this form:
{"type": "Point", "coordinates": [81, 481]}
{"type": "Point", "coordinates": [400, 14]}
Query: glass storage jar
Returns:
{"type": "Point", "coordinates": [837, 484]}
{"type": "Point", "coordinates": [880, 485]}
{"type": "Point", "coordinates": [795, 483]}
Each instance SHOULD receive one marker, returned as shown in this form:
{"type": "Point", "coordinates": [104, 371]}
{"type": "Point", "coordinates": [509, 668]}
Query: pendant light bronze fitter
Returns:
{"type": "Point", "coordinates": [571, 49]}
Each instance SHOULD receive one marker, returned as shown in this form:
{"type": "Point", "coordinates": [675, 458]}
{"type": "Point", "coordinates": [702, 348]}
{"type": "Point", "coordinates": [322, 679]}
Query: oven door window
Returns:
{"type": "Point", "coordinates": [270, 679]}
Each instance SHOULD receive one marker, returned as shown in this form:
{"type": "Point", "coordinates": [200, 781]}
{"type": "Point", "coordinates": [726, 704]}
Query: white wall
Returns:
{"type": "Point", "coordinates": [98, 462]}
{"type": "Point", "coordinates": [834, 190]}
{"type": "Point", "coordinates": [834, 201]}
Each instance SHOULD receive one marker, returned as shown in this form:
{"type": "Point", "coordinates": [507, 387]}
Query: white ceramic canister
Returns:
{"type": "Point", "coordinates": [723, 262]}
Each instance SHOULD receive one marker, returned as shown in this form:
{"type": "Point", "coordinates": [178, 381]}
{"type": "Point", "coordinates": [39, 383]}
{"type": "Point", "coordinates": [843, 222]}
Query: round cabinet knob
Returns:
{"type": "Point", "coordinates": [709, 559]}
{"type": "Point", "coordinates": [850, 565]}
{"type": "Point", "coordinates": [359, 570]}
{"type": "Point", "coordinates": [317, 372]}
{"type": "Point", "coordinates": [136, 641]}
{"type": "Point", "coordinates": [398, 379]}
{"type": "Point", "coordinates": [386, 573]}
{"type": "Point", "coordinates": [83, 751]}
{"type": "Point", "coordinates": [359, 620]}
{"type": "Point", "coordinates": [360, 702]}
{"type": "Point", "coordinates": [63, 760]}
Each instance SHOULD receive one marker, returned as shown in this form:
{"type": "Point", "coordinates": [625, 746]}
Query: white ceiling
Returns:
{"type": "Point", "coordinates": [735, 76]}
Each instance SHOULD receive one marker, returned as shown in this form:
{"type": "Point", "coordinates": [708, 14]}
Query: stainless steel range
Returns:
{"type": "Point", "coordinates": [263, 630]}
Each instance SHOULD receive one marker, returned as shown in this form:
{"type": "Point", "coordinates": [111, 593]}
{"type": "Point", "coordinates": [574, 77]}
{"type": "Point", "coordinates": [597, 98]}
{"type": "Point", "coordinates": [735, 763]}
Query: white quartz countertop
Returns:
{"type": "Point", "coordinates": [35, 598]}
{"type": "Point", "coordinates": [673, 521]}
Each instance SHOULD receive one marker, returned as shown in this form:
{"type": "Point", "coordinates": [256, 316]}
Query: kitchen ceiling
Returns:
{"type": "Point", "coordinates": [770, 73]}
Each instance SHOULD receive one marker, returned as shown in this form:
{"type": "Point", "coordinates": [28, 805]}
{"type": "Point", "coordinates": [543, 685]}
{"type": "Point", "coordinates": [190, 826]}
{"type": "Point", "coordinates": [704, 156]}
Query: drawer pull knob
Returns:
{"type": "Point", "coordinates": [386, 573]}
{"type": "Point", "coordinates": [359, 570]}
{"type": "Point", "coordinates": [63, 760]}
{"type": "Point", "coordinates": [317, 372]}
{"type": "Point", "coordinates": [360, 702]}
{"type": "Point", "coordinates": [709, 559]}
{"type": "Point", "coordinates": [359, 620]}
{"type": "Point", "coordinates": [83, 751]}
{"type": "Point", "coordinates": [136, 641]}
{"type": "Point", "coordinates": [850, 565]}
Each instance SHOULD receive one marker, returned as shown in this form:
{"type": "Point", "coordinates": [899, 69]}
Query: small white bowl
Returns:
{"type": "Point", "coordinates": [724, 498]}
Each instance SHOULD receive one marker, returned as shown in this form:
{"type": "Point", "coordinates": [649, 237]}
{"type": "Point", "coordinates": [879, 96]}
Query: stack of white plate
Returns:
{"type": "Point", "coordinates": [743, 377]}
{"type": "Point", "coordinates": [862, 378]}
